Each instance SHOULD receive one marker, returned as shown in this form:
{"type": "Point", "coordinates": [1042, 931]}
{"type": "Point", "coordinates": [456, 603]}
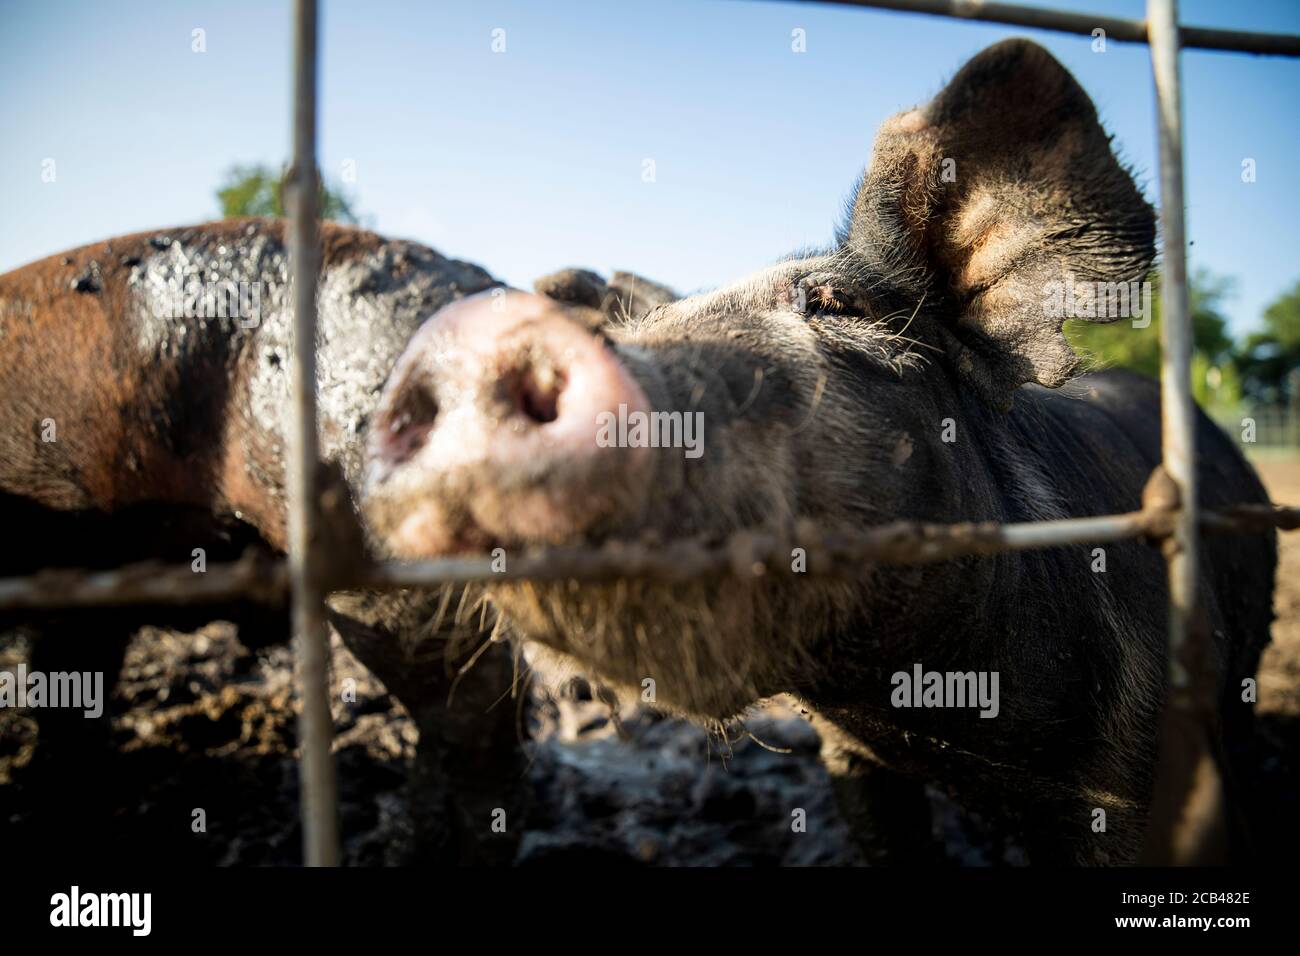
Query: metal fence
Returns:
{"type": "Point", "coordinates": [1268, 428]}
{"type": "Point", "coordinates": [1169, 513]}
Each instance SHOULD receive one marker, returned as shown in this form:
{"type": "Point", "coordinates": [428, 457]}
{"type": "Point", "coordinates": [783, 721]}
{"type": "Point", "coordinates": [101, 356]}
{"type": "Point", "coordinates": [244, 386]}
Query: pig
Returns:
{"type": "Point", "coordinates": [915, 370]}
{"type": "Point", "coordinates": [145, 381]}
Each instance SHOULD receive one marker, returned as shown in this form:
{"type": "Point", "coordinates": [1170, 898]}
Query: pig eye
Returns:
{"type": "Point", "coordinates": [822, 298]}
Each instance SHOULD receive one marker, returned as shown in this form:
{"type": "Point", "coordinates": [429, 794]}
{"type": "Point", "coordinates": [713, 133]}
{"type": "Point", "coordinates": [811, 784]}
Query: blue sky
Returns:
{"type": "Point", "coordinates": [532, 159]}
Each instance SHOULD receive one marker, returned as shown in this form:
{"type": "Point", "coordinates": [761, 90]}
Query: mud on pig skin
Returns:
{"type": "Point", "coordinates": [145, 384]}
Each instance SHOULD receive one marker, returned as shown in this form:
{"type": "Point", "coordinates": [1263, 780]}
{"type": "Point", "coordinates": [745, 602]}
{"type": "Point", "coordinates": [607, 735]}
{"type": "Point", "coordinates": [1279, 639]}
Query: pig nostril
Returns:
{"type": "Point", "coordinates": [535, 392]}
{"type": "Point", "coordinates": [409, 423]}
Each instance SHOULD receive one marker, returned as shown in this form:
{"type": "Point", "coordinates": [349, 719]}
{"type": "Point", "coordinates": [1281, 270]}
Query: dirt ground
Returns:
{"type": "Point", "coordinates": [1280, 674]}
{"type": "Point", "coordinates": [203, 723]}
{"type": "Point", "coordinates": [1278, 784]}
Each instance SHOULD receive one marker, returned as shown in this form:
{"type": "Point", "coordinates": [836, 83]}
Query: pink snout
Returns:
{"type": "Point", "coordinates": [489, 431]}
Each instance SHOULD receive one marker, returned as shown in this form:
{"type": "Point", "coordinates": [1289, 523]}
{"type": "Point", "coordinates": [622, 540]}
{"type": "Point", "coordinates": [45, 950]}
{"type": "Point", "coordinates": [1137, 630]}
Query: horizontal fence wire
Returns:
{"type": "Point", "coordinates": [1064, 21]}
{"type": "Point", "coordinates": [263, 579]}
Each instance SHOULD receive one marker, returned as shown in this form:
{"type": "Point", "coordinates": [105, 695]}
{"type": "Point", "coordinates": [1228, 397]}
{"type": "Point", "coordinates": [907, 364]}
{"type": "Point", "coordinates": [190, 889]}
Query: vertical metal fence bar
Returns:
{"type": "Point", "coordinates": [1182, 765]}
{"type": "Point", "coordinates": [315, 723]}
{"type": "Point", "coordinates": [1178, 410]}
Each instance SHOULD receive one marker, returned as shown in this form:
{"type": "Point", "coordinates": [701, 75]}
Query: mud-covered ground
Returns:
{"type": "Point", "coordinates": [1278, 784]}
{"type": "Point", "coordinates": [203, 723]}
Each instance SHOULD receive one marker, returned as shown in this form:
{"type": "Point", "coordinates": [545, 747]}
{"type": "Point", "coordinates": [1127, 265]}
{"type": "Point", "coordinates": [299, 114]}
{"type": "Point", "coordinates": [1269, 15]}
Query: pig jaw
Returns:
{"type": "Point", "coordinates": [706, 650]}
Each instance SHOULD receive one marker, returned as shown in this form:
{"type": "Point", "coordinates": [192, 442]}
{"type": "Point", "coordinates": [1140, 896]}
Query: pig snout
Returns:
{"type": "Point", "coordinates": [487, 432]}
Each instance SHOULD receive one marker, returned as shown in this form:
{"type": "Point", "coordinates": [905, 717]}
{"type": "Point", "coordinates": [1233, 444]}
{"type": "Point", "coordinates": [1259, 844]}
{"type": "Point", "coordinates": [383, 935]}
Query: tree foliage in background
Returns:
{"type": "Point", "coordinates": [257, 190]}
{"type": "Point", "coordinates": [1216, 378]}
{"type": "Point", "coordinates": [1270, 359]}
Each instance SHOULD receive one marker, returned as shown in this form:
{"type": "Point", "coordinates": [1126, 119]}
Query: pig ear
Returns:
{"type": "Point", "coordinates": [626, 295]}
{"type": "Point", "coordinates": [636, 295]}
{"type": "Point", "coordinates": [573, 287]}
{"type": "Point", "coordinates": [988, 199]}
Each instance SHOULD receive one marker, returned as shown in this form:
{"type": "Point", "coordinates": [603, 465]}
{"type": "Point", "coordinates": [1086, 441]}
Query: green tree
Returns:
{"type": "Point", "coordinates": [257, 190]}
{"type": "Point", "coordinates": [1270, 359]}
{"type": "Point", "coordinates": [1118, 344]}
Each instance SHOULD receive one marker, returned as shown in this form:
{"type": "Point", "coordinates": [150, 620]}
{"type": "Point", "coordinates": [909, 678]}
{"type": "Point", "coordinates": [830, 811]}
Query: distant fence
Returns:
{"type": "Point", "coordinates": [1269, 428]}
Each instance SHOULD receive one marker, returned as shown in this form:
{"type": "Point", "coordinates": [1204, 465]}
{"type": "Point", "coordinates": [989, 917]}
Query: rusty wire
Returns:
{"type": "Point", "coordinates": [260, 578]}
{"type": "Point", "coordinates": [1087, 24]}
